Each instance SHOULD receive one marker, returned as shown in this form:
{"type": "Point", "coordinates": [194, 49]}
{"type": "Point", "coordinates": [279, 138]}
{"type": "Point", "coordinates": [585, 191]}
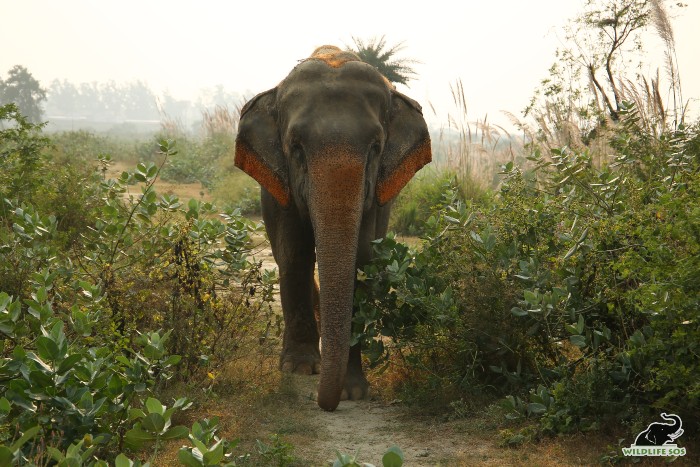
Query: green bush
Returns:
{"type": "Point", "coordinates": [445, 308]}
{"type": "Point", "coordinates": [578, 288]}
{"type": "Point", "coordinates": [423, 194]}
{"type": "Point", "coordinates": [198, 160]}
{"type": "Point", "coordinates": [83, 353]}
{"type": "Point", "coordinates": [236, 190]}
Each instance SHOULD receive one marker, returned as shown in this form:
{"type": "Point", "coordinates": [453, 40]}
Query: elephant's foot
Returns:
{"type": "Point", "coordinates": [356, 386]}
{"type": "Point", "coordinates": [303, 359]}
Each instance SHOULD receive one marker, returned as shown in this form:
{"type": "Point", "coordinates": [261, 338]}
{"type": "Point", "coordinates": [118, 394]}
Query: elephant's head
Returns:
{"type": "Point", "coordinates": [331, 140]}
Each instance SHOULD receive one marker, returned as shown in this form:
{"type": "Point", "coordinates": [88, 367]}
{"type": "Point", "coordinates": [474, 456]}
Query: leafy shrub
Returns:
{"type": "Point", "coordinates": [236, 190]}
{"type": "Point", "coordinates": [83, 352]}
{"type": "Point", "coordinates": [423, 194]}
{"type": "Point", "coordinates": [577, 288]}
{"type": "Point", "coordinates": [197, 160]}
{"type": "Point", "coordinates": [445, 309]}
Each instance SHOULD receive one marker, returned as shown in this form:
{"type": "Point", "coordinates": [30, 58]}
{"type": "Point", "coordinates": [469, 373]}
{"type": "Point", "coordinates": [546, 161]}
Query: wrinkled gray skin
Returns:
{"type": "Point", "coordinates": [331, 145]}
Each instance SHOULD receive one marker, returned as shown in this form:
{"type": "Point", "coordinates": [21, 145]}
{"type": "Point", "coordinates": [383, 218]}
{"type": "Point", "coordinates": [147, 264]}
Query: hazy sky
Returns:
{"type": "Point", "coordinates": [500, 49]}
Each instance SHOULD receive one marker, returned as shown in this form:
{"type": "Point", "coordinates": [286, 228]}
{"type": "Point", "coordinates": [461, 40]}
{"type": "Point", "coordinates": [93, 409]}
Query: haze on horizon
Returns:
{"type": "Point", "coordinates": [500, 50]}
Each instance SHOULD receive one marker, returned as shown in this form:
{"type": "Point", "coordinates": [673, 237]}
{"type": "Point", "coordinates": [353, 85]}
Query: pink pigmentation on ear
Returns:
{"type": "Point", "coordinates": [248, 161]}
{"type": "Point", "coordinates": [388, 188]}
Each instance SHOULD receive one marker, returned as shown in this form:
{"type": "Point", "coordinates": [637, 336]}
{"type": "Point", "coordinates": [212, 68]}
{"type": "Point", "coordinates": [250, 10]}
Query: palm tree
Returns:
{"type": "Point", "coordinates": [376, 53]}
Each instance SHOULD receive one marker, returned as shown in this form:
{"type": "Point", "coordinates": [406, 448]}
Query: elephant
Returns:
{"type": "Point", "coordinates": [658, 434]}
{"type": "Point", "coordinates": [331, 146]}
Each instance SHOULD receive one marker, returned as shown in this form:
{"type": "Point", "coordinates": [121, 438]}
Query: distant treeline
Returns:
{"type": "Point", "coordinates": [115, 103]}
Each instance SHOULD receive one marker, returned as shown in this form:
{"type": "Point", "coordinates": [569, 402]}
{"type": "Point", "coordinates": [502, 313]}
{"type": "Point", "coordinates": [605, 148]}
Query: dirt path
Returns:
{"type": "Point", "coordinates": [368, 427]}
{"type": "Point", "coordinates": [372, 426]}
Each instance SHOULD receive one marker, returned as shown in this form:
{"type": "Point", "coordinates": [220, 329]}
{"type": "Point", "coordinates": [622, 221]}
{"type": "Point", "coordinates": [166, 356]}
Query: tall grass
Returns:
{"type": "Point", "coordinates": [474, 150]}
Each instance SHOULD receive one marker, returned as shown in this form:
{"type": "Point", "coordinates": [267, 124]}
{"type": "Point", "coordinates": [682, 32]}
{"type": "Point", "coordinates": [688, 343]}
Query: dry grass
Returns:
{"type": "Point", "coordinates": [473, 150]}
{"type": "Point", "coordinates": [221, 120]}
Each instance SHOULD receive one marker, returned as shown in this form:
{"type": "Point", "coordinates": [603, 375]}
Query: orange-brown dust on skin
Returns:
{"type": "Point", "coordinates": [340, 180]}
{"type": "Point", "coordinates": [333, 56]}
{"type": "Point", "coordinates": [390, 187]}
{"type": "Point", "coordinates": [250, 163]}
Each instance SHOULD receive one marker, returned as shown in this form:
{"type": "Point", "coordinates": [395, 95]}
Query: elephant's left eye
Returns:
{"type": "Point", "coordinates": [297, 151]}
{"type": "Point", "coordinates": [375, 149]}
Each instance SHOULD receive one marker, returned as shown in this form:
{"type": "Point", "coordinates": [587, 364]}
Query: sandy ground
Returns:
{"type": "Point", "coordinates": [368, 428]}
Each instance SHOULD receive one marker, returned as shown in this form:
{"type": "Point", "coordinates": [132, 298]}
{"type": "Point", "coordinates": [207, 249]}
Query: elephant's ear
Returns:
{"type": "Point", "coordinates": [258, 147]}
{"type": "Point", "coordinates": [406, 150]}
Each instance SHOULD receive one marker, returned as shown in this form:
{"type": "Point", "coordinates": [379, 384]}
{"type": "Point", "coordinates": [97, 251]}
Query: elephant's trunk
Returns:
{"type": "Point", "coordinates": [336, 194]}
{"type": "Point", "coordinates": [673, 418]}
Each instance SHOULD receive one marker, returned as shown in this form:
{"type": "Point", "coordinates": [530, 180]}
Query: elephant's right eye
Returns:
{"type": "Point", "coordinates": [297, 152]}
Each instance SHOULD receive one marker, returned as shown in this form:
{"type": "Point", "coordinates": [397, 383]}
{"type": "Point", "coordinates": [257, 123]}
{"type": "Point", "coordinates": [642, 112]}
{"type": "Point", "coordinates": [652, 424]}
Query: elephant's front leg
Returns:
{"type": "Point", "coordinates": [356, 385]}
{"type": "Point", "coordinates": [300, 352]}
{"type": "Point", "coordinates": [293, 248]}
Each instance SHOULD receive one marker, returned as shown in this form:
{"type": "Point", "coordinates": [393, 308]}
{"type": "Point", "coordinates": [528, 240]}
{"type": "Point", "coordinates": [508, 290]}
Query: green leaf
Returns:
{"type": "Point", "coordinates": [191, 458]}
{"type": "Point", "coordinates": [193, 205]}
{"type": "Point", "coordinates": [5, 406]}
{"type": "Point", "coordinates": [47, 348]}
{"type": "Point", "coordinates": [136, 414]}
{"type": "Point", "coordinates": [536, 408]}
{"type": "Point", "coordinates": [215, 454]}
{"type": "Point", "coordinates": [578, 340]}
{"type": "Point", "coordinates": [583, 236]}
{"type": "Point", "coordinates": [172, 360]}
{"type": "Point", "coordinates": [122, 461]}
{"type": "Point", "coordinates": [8, 329]}
{"type": "Point", "coordinates": [152, 170]}
{"type": "Point", "coordinates": [153, 422]}
{"type": "Point", "coordinates": [70, 462]}
{"type": "Point", "coordinates": [154, 406]}
{"type": "Point", "coordinates": [55, 454]}
{"type": "Point", "coordinates": [41, 380]}
{"type": "Point", "coordinates": [41, 295]}
{"type": "Point", "coordinates": [531, 297]}
{"type": "Point", "coordinates": [69, 363]}
{"type": "Point", "coordinates": [136, 437]}
{"type": "Point", "coordinates": [517, 311]}
{"type": "Point", "coordinates": [197, 430]}
{"type": "Point", "coordinates": [393, 457]}
{"type": "Point", "coordinates": [5, 455]}
{"type": "Point", "coordinates": [184, 403]}
{"type": "Point", "coordinates": [200, 446]}
{"type": "Point", "coordinates": [176, 432]}
{"type": "Point", "coordinates": [29, 434]}
{"type": "Point", "coordinates": [580, 324]}
{"type": "Point", "coordinates": [573, 250]}
{"type": "Point", "coordinates": [5, 301]}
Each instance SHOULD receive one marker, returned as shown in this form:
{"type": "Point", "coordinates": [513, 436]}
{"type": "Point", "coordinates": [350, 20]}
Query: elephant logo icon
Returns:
{"type": "Point", "coordinates": [659, 434]}
{"type": "Point", "coordinates": [658, 439]}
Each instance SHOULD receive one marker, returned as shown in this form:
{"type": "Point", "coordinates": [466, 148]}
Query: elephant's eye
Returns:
{"type": "Point", "coordinates": [374, 149]}
{"type": "Point", "coordinates": [297, 156]}
{"type": "Point", "coordinates": [297, 151]}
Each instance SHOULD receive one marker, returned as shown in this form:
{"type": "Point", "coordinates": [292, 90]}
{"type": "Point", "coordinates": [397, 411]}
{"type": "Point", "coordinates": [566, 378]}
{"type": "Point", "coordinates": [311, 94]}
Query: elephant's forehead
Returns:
{"type": "Point", "coordinates": [326, 70]}
{"type": "Point", "coordinates": [350, 106]}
